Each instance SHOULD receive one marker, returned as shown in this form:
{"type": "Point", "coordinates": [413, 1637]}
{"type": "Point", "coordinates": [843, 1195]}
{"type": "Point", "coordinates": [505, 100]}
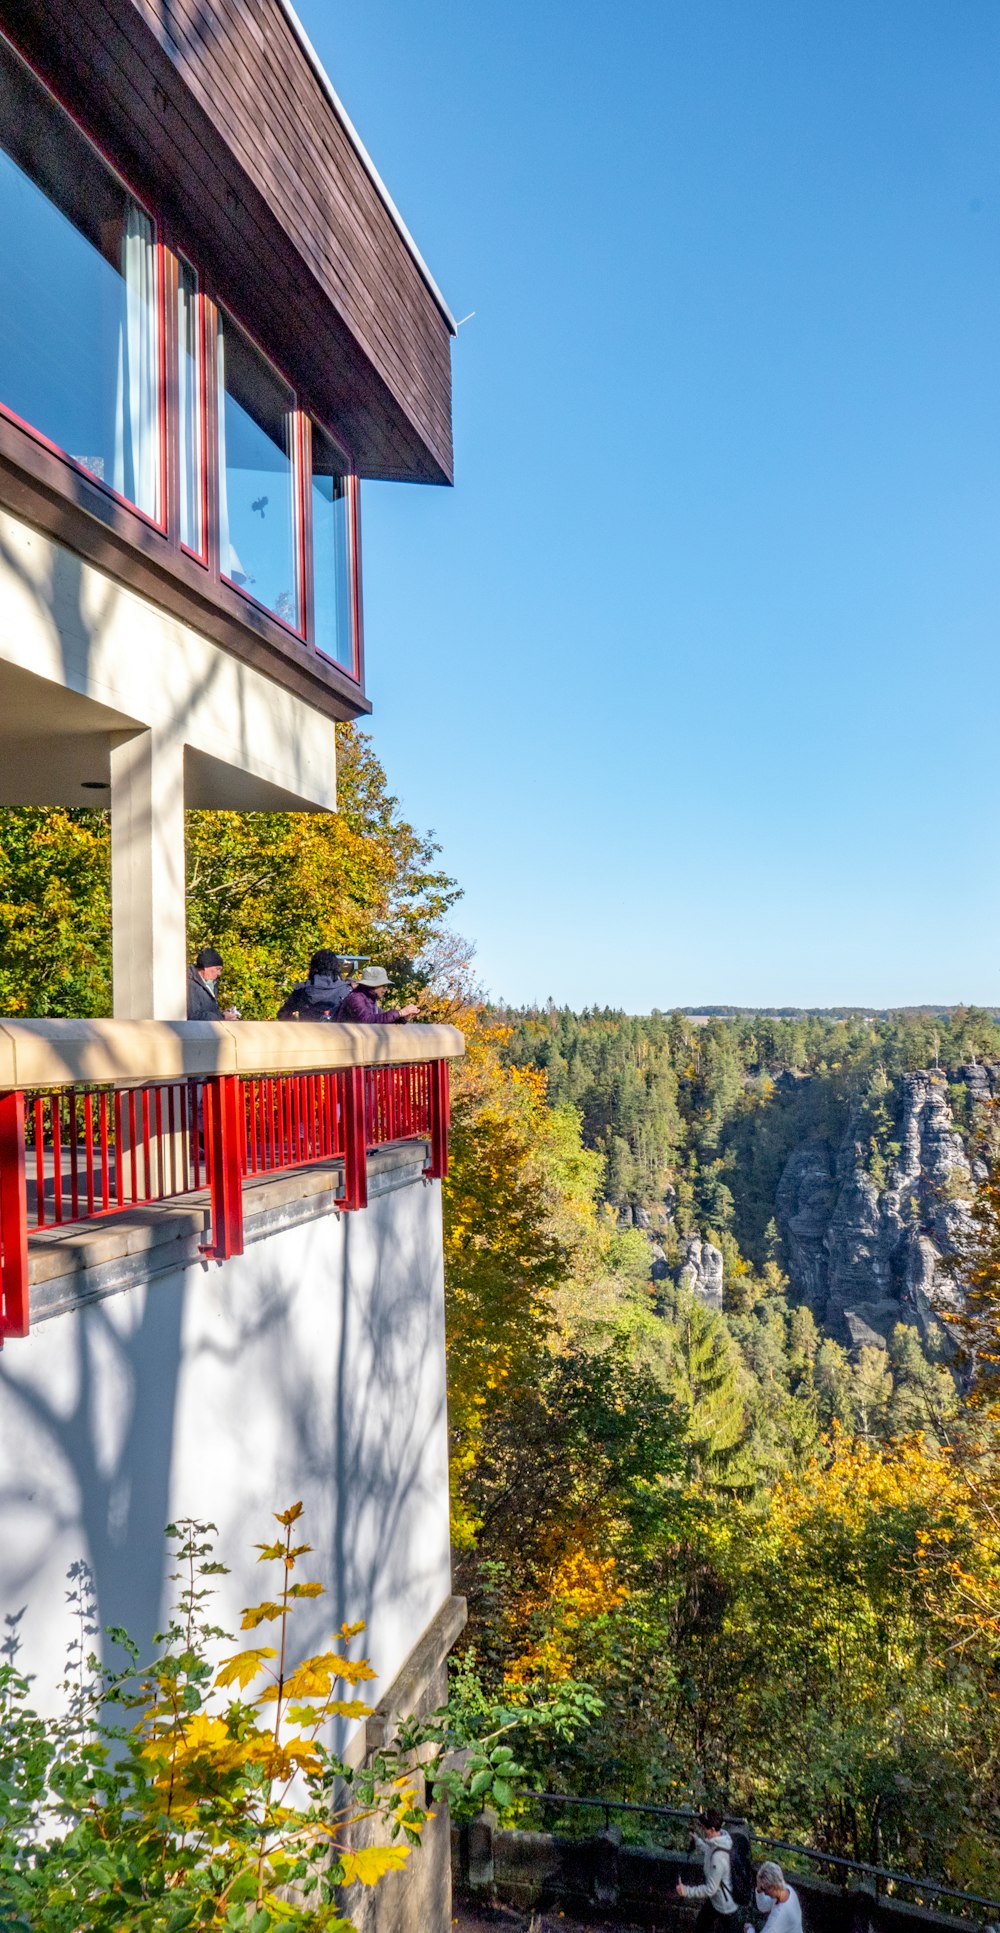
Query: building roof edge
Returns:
{"type": "Point", "coordinates": [363, 155]}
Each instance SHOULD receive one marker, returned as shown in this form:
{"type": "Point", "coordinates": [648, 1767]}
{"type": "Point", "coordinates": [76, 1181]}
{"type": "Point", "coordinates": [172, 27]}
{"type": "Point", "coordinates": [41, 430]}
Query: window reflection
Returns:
{"type": "Point", "coordinates": [79, 342]}
{"type": "Point", "coordinates": [331, 580]}
{"type": "Point", "coordinates": [257, 523]}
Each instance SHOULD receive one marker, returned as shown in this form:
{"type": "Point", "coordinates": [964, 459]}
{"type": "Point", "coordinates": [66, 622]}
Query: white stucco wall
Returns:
{"type": "Point", "coordinates": [92, 639]}
{"type": "Point", "coordinates": [311, 1367]}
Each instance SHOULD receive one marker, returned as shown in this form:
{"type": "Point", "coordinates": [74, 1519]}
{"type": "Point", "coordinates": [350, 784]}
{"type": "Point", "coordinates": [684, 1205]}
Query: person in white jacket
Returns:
{"type": "Point", "coordinates": [719, 1912]}
{"type": "Point", "coordinates": [777, 1899]}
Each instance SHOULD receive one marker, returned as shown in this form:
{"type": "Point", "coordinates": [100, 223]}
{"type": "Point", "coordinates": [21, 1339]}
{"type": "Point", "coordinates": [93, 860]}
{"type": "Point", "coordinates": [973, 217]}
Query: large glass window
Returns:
{"type": "Point", "coordinates": [79, 338]}
{"type": "Point", "coordinates": [257, 519]}
{"type": "Point", "coordinates": [331, 552]}
{"type": "Point", "coordinates": [189, 408]}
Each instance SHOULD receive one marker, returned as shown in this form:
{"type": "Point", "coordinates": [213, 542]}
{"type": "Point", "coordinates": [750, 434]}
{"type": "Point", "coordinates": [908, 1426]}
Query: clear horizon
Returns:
{"type": "Point", "coordinates": [695, 673]}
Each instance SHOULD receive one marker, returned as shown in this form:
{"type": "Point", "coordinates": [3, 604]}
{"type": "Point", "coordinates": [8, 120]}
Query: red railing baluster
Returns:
{"type": "Point", "coordinates": [254, 1151]}
{"type": "Point", "coordinates": [88, 1145]}
{"type": "Point", "coordinates": [133, 1157]}
{"type": "Point", "coordinates": [224, 1143]}
{"type": "Point", "coordinates": [184, 1137]}
{"type": "Point", "coordinates": [15, 1312]}
{"type": "Point", "coordinates": [119, 1153]}
{"type": "Point", "coordinates": [440, 1097]}
{"type": "Point", "coordinates": [355, 1193]}
{"type": "Point", "coordinates": [74, 1157]}
{"type": "Point", "coordinates": [172, 1139]}
{"type": "Point", "coordinates": [55, 1108]}
{"type": "Point", "coordinates": [158, 1138]}
{"type": "Point", "coordinates": [55, 1114]}
{"type": "Point", "coordinates": [38, 1115]}
{"type": "Point", "coordinates": [147, 1188]}
{"type": "Point", "coordinates": [333, 1110]}
{"type": "Point", "coordinates": [102, 1129]}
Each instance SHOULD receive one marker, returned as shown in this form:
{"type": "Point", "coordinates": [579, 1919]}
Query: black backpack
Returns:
{"type": "Point", "coordinates": [741, 1868]}
{"type": "Point", "coordinates": [315, 1000]}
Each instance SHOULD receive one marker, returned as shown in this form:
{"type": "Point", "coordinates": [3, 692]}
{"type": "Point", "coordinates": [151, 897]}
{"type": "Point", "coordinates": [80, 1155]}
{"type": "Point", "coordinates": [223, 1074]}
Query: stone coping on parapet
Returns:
{"type": "Point", "coordinates": [87, 1261]}
{"type": "Point", "coordinates": [65, 1053]}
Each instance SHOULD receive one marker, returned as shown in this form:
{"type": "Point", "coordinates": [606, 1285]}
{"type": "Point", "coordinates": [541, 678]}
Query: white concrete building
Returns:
{"type": "Point", "coordinates": [220, 1247]}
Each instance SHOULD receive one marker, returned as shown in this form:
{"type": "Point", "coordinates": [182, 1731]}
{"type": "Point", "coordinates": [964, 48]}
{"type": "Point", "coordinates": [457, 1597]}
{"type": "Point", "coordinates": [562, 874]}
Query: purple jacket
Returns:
{"type": "Point", "coordinates": [360, 1005]}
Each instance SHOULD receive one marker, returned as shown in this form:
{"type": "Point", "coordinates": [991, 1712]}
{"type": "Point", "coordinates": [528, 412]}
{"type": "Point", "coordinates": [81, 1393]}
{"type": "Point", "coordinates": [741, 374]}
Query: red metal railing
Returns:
{"type": "Point", "coordinates": [94, 1151]}
{"type": "Point", "coordinates": [77, 1153]}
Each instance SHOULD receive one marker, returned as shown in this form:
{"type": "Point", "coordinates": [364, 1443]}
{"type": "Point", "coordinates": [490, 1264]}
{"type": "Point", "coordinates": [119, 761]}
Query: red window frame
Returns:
{"type": "Point", "coordinates": [11, 416]}
{"type": "Point", "coordinates": [184, 261]}
{"type": "Point", "coordinates": [353, 670]}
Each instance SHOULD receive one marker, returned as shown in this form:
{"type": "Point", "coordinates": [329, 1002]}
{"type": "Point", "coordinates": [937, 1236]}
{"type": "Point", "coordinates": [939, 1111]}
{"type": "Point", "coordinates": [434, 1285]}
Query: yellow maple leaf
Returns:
{"type": "Point", "coordinates": [370, 1863]}
{"type": "Point", "coordinates": [243, 1666]}
{"type": "Point", "coordinates": [262, 1614]}
{"type": "Point", "coordinates": [348, 1708]}
{"type": "Point", "coordinates": [311, 1680]}
{"type": "Point", "coordinates": [303, 1752]}
{"type": "Point", "coordinates": [352, 1670]}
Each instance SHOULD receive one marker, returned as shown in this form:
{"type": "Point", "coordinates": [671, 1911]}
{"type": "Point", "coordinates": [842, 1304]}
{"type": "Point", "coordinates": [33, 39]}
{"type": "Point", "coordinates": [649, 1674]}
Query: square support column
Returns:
{"type": "Point", "coordinates": [149, 948]}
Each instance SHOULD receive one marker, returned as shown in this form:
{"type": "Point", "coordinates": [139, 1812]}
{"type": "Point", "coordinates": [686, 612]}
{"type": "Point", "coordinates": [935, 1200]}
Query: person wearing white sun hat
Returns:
{"type": "Point", "coordinates": [362, 1003]}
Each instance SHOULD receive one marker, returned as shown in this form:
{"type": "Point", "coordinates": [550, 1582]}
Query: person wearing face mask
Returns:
{"type": "Point", "coordinates": [719, 1912]}
{"type": "Point", "coordinates": [777, 1899]}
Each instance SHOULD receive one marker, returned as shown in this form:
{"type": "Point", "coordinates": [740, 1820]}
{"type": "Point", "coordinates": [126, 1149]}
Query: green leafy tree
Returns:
{"type": "Point", "coordinates": [266, 888]}
{"type": "Point", "coordinates": [55, 912]}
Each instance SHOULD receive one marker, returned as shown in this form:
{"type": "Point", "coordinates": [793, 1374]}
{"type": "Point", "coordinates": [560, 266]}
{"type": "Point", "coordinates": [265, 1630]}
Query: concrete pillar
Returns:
{"type": "Point", "coordinates": [149, 948]}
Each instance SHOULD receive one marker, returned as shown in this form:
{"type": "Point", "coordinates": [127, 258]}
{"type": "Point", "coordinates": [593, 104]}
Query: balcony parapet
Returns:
{"type": "Point", "coordinates": [66, 1053]}
{"type": "Point", "coordinates": [100, 1117]}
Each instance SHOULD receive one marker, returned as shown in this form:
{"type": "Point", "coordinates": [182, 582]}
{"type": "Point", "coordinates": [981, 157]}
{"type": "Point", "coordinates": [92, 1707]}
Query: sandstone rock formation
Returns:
{"type": "Point", "coordinates": [701, 1270]}
{"type": "Point", "coordinates": [866, 1254]}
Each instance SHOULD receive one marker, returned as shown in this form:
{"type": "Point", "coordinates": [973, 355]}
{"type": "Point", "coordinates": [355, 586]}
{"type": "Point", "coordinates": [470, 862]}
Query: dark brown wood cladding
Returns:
{"type": "Point", "coordinates": [213, 111]}
{"type": "Point", "coordinates": [61, 501]}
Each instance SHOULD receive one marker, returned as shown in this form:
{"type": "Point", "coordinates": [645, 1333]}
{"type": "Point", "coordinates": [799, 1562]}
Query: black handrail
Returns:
{"type": "Point", "coordinates": [687, 1813]}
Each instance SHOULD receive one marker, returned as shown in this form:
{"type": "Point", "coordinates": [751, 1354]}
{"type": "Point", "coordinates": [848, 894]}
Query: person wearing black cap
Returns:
{"type": "Point", "coordinates": [203, 978]}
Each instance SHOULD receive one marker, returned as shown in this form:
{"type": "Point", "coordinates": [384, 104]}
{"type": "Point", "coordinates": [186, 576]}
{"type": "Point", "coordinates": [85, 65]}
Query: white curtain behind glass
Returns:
{"type": "Point", "coordinates": [137, 402]}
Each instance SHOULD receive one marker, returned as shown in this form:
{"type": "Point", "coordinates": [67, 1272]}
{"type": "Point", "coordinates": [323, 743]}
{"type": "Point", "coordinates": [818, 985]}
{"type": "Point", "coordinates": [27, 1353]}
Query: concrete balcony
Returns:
{"type": "Point", "coordinates": [232, 1298]}
{"type": "Point", "coordinates": [136, 1144]}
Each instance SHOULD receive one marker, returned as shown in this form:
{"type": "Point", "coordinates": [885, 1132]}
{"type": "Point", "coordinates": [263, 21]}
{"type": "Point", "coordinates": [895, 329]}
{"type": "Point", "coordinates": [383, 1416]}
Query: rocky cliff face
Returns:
{"type": "Point", "coordinates": [865, 1253]}
{"type": "Point", "coordinates": [701, 1270]}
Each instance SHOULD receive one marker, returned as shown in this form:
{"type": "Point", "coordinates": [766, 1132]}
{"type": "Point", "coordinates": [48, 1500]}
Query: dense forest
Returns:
{"type": "Point", "coordinates": [723, 1299]}
{"type": "Point", "coordinates": [770, 1547]}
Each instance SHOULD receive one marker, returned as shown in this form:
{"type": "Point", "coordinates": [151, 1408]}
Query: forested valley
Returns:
{"type": "Point", "coordinates": [724, 1343]}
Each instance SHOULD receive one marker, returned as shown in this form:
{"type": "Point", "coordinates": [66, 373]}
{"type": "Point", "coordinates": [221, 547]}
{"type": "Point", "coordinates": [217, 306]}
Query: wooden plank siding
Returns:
{"type": "Point", "coordinates": [213, 111]}
{"type": "Point", "coordinates": [306, 158]}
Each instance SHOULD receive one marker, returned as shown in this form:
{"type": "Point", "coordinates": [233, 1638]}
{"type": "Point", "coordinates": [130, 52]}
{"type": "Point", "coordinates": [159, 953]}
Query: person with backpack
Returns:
{"type": "Point", "coordinates": [719, 1895]}
{"type": "Point", "coordinates": [323, 994]}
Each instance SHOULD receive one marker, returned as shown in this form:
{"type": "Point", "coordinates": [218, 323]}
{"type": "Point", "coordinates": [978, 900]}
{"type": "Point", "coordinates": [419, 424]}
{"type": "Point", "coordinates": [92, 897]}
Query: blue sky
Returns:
{"type": "Point", "coordinates": [695, 673]}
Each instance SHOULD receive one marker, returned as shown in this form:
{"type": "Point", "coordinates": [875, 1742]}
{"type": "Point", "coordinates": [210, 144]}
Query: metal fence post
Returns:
{"type": "Point", "coordinates": [437, 1167]}
{"type": "Point", "coordinates": [15, 1312]}
{"type": "Point", "coordinates": [355, 1193]}
{"type": "Point", "coordinates": [224, 1149]}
